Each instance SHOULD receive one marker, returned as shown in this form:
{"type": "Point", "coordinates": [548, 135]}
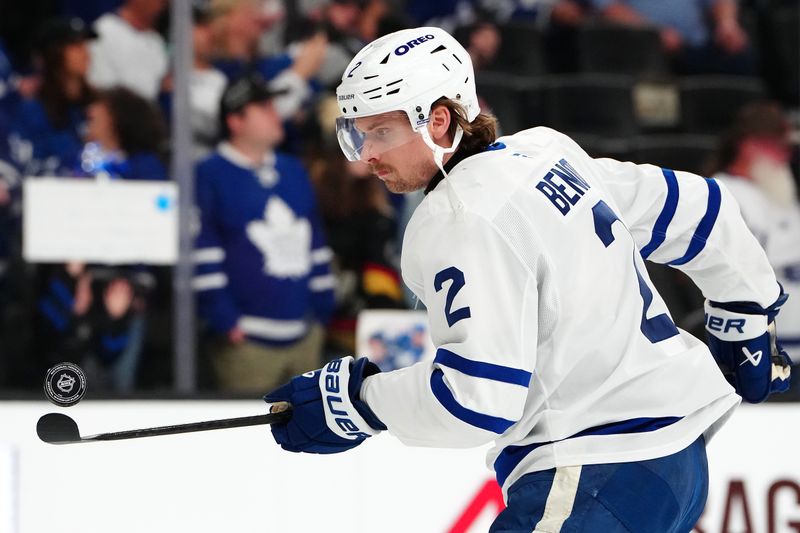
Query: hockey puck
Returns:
{"type": "Point", "coordinates": [65, 384]}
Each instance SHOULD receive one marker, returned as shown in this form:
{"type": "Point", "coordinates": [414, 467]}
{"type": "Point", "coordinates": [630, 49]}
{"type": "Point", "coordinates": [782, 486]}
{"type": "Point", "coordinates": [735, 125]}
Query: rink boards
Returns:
{"type": "Point", "coordinates": [239, 480]}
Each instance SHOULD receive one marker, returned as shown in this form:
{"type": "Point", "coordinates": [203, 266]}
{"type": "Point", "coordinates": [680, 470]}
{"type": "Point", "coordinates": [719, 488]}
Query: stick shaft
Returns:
{"type": "Point", "coordinates": [194, 426]}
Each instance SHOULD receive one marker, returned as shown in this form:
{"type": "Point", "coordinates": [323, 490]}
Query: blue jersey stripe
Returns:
{"type": "Point", "coordinates": [480, 369]}
{"type": "Point", "coordinates": [665, 217]}
{"type": "Point", "coordinates": [511, 456]}
{"type": "Point", "coordinates": [445, 396]}
{"type": "Point", "coordinates": [706, 225]}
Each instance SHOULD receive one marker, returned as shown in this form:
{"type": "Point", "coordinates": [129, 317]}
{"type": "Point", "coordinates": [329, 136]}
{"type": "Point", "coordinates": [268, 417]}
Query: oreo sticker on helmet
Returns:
{"type": "Point", "coordinates": [65, 384]}
{"type": "Point", "coordinates": [404, 48]}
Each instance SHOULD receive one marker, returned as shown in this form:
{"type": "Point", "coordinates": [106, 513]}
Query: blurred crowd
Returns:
{"type": "Point", "coordinates": [292, 240]}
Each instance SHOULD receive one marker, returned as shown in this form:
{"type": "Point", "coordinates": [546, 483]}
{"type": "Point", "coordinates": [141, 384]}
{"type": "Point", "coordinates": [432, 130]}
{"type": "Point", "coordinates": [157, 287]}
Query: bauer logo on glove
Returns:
{"type": "Point", "coordinates": [340, 414]}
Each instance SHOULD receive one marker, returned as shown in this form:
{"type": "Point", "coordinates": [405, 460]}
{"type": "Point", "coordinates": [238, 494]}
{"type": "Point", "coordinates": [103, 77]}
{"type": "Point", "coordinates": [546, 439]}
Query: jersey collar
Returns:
{"type": "Point", "coordinates": [266, 173]}
{"type": "Point", "coordinates": [457, 158]}
{"type": "Point", "coordinates": [229, 152]}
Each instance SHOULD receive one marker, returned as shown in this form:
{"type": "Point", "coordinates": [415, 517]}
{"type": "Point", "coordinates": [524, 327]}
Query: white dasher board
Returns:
{"type": "Point", "coordinates": [110, 222]}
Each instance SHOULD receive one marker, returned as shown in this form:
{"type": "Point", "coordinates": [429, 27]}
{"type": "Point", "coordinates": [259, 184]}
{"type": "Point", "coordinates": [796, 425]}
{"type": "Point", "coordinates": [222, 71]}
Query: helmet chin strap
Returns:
{"type": "Point", "coordinates": [438, 157]}
{"type": "Point", "coordinates": [439, 151]}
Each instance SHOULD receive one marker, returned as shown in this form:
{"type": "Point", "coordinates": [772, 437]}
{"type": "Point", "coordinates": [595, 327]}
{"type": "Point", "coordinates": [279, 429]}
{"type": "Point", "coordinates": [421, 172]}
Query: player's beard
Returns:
{"type": "Point", "coordinates": [414, 178]}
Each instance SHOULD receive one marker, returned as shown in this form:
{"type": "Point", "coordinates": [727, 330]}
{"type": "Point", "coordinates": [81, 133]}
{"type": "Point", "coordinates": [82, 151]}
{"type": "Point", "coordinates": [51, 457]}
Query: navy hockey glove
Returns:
{"type": "Point", "coordinates": [741, 337]}
{"type": "Point", "coordinates": [327, 414]}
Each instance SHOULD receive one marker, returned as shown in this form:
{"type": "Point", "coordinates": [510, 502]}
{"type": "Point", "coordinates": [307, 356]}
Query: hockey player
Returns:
{"type": "Point", "coordinates": [551, 341]}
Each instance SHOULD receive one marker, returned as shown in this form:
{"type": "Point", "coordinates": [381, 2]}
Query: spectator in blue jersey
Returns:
{"type": "Point", "coordinates": [703, 36]}
{"type": "Point", "coordinates": [47, 136]}
{"type": "Point", "coordinates": [263, 267]}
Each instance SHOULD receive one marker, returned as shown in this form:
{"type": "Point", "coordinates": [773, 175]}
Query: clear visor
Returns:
{"type": "Point", "coordinates": [365, 138]}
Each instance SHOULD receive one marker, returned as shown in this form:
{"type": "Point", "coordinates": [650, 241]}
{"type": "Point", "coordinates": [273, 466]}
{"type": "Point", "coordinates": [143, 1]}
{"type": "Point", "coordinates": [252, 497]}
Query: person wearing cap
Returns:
{"type": "Point", "coordinates": [129, 51]}
{"type": "Point", "coordinates": [752, 160]}
{"type": "Point", "coordinates": [47, 128]}
{"type": "Point", "coordinates": [262, 264]}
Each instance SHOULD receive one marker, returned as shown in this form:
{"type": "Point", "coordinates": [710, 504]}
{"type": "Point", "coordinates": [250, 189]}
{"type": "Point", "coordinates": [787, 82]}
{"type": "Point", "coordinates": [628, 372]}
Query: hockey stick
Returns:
{"type": "Point", "coordinates": [57, 428]}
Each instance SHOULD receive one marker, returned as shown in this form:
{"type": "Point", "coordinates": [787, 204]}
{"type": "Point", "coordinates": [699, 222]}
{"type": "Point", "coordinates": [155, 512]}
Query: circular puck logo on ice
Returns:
{"type": "Point", "coordinates": [65, 384]}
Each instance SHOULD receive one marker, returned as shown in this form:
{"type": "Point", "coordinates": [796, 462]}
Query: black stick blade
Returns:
{"type": "Point", "coordinates": [55, 428]}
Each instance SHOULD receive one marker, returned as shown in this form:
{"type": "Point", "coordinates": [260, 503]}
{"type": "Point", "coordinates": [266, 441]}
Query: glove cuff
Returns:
{"type": "Point", "coordinates": [752, 308]}
{"type": "Point", "coordinates": [732, 326]}
{"type": "Point", "coordinates": [362, 369]}
{"type": "Point", "coordinates": [341, 415]}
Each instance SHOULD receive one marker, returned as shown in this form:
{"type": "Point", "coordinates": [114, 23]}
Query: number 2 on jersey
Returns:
{"type": "Point", "coordinates": [457, 277]}
{"type": "Point", "coordinates": [659, 327]}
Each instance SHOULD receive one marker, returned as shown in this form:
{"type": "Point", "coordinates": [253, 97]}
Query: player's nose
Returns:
{"type": "Point", "coordinates": [368, 152]}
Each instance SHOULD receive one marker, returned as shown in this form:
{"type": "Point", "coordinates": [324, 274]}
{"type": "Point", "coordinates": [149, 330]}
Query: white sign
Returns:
{"type": "Point", "coordinates": [109, 222]}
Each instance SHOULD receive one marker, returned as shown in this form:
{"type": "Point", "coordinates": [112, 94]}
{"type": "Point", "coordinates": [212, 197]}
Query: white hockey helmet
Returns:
{"type": "Point", "coordinates": [405, 71]}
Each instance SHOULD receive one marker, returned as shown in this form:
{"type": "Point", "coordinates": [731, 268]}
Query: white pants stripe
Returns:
{"type": "Point", "coordinates": [560, 500]}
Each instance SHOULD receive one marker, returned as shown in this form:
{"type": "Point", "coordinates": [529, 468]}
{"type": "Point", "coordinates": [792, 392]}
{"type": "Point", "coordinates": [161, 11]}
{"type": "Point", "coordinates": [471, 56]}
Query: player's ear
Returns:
{"type": "Point", "coordinates": [439, 124]}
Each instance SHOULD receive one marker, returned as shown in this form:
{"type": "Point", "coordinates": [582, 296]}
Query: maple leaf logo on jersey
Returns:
{"type": "Point", "coordinates": [283, 239]}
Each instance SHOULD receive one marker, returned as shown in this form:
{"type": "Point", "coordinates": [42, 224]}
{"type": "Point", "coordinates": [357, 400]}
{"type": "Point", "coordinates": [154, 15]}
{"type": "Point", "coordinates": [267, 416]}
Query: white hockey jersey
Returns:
{"type": "Point", "coordinates": [777, 228]}
{"type": "Point", "coordinates": [550, 339]}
